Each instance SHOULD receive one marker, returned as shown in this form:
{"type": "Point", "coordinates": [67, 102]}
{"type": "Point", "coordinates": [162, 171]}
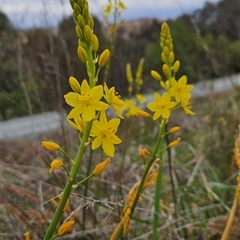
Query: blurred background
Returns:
{"type": "Point", "coordinates": [38, 46]}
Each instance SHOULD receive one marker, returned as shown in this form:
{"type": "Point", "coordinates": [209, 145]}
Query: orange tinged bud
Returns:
{"type": "Point", "coordinates": [174, 129]}
{"type": "Point", "coordinates": [174, 143]}
{"type": "Point", "coordinates": [27, 235]}
{"type": "Point", "coordinates": [56, 163]}
{"type": "Point", "coordinates": [65, 227]}
{"type": "Point", "coordinates": [144, 153]}
{"type": "Point", "coordinates": [51, 146]}
{"type": "Point", "coordinates": [101, 167]}
{"type": "Point", "coordinates": [143, 113]}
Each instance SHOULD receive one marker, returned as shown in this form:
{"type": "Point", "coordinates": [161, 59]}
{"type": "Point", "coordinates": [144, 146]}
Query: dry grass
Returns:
{"type": "Point", "coordinates": [203, 176]}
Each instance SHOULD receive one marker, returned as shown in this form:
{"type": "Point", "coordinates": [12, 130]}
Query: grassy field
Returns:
{"type": "Point", "coordinates": [202, 165]}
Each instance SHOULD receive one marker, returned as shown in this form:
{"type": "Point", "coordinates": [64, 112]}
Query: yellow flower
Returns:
{"type": "Point", "coordinates": [51, 146]}
{"type": "Point", "coordinates": [179, 89]}
{"type": "Point", "coordinates": [113, 100]}
{"type": "Point", "coordinates": [104, 133]}
{"type": "Point", "coordinates": [140, 98]}
{"type": "Point", "coordinates": [87, 103]}
{"type": "Point", "coordinates": [161, 106]}
{"type": "Point", "coordinates": [143, 153]}
{"type": "Point", "coordinates": [78, 123]}
{"type": "Point", "coordinates": [132, 109]}
{"type": "Point", "coordinates": [56, 163]}
{"type": "Point", "coordinates": [101, 167]}
{"type": "Point", "coordinates": [186, 105]}
{"type": "Point", "coordinates": [27, 235]}
{"type": "Point", "coordinates": [65, 227]}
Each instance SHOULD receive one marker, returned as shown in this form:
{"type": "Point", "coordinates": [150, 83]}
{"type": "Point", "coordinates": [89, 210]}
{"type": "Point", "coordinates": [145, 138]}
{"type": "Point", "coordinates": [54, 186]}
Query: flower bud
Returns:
{"type": "Point", "coordinates": [81, 21]}
{"type": "Point", "coordinates": [74, 84]}
{"type": "Point", "coordinates": [76, 9]}
{"type": "Point", "coordinates": [144, 153]}
{"type": "Point", "coordinates": [155, 75]}
{"type": "Point", "coordinates": [90, 22]}
{"type": "Point", "coordinates": [142, 113]}
{"type": "Point", "coordinates": [171, 57]}
{"type": "Point", "coordinates": [165, 69]}
{"type": "Point", "coordinates": [101, 167]}
{"type": "Point", "coordinates": [79, 32]}
{"type": "Point", "coordinates": [51, 146]}
{"type": "Point", "coordinates": [27, 235]}
{"type": "Point", "coordinates": [56, 163]}
{"type": "Point", "coordinates": [176, 66]}
{"type": "Point", "coordinates": [65, 227]}
{"type": "Point", "coordinates": [174, 130]}
{"type": "Point", "coordinates": [164, 58]}
{"type": "Point", "coordinates": [95, 43]}
{"type": "Point", "coordinates": [166, 51]}
{"type": "Point", "coordinates": [174, 143]}
{"type": "Point", "coordinates": [85, 11]}
{"type": "Point", "coordinates": [82, 54]}
{"type": "Point", "coordinates": [87, 33]}
{"type": "Point", "coordinates": [103, 58]}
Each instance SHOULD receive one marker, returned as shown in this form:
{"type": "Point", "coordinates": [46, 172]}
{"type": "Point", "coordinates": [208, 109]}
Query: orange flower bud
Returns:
{"type": "Point", "coordinates": [174, 143]}
{"type": "Point", "coordinates": [143, 153]}
{"type": "Point", "coordinates": [65, 227]}
{"type": "Point", "coordinates": [27, 235]}
{"type": "Point", "coordinates": [174, 129]}
{"type": "Point", "coordinates": [101, 167]}
{"type": "Point", "coordinates": [51, 146]}
{"type": "Point", "coordinates": [143, 113]}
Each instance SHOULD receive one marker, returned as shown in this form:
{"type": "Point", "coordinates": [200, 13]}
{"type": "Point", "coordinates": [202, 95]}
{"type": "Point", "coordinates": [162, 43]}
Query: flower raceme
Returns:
{"type": "Point", "coordinates": [103, 132]}
{"type": "Point", "coordinates": [87, 103]}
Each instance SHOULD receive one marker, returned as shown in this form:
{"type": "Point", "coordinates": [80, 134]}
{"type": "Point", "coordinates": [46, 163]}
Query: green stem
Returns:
{"type": "Point", "coordinates": [157, 151]}
{"type": "Point", "coordinates": [86, 187]}
{"type": "Point", "coordinates": [68, 187]}
{"type": "Point", "coordinates": [158, 185]}
{"type": "Point", "coordinates": [170, 166]}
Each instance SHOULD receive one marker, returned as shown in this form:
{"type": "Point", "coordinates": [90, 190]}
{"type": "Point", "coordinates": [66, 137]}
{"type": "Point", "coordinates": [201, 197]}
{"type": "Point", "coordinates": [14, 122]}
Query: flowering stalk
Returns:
{"type": "Point", "coordinates": [68, 187]}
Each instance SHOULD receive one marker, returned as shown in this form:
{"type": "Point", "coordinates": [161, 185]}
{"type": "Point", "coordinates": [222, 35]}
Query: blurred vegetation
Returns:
{"type": "Point", "coordinates": [36, 63]}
